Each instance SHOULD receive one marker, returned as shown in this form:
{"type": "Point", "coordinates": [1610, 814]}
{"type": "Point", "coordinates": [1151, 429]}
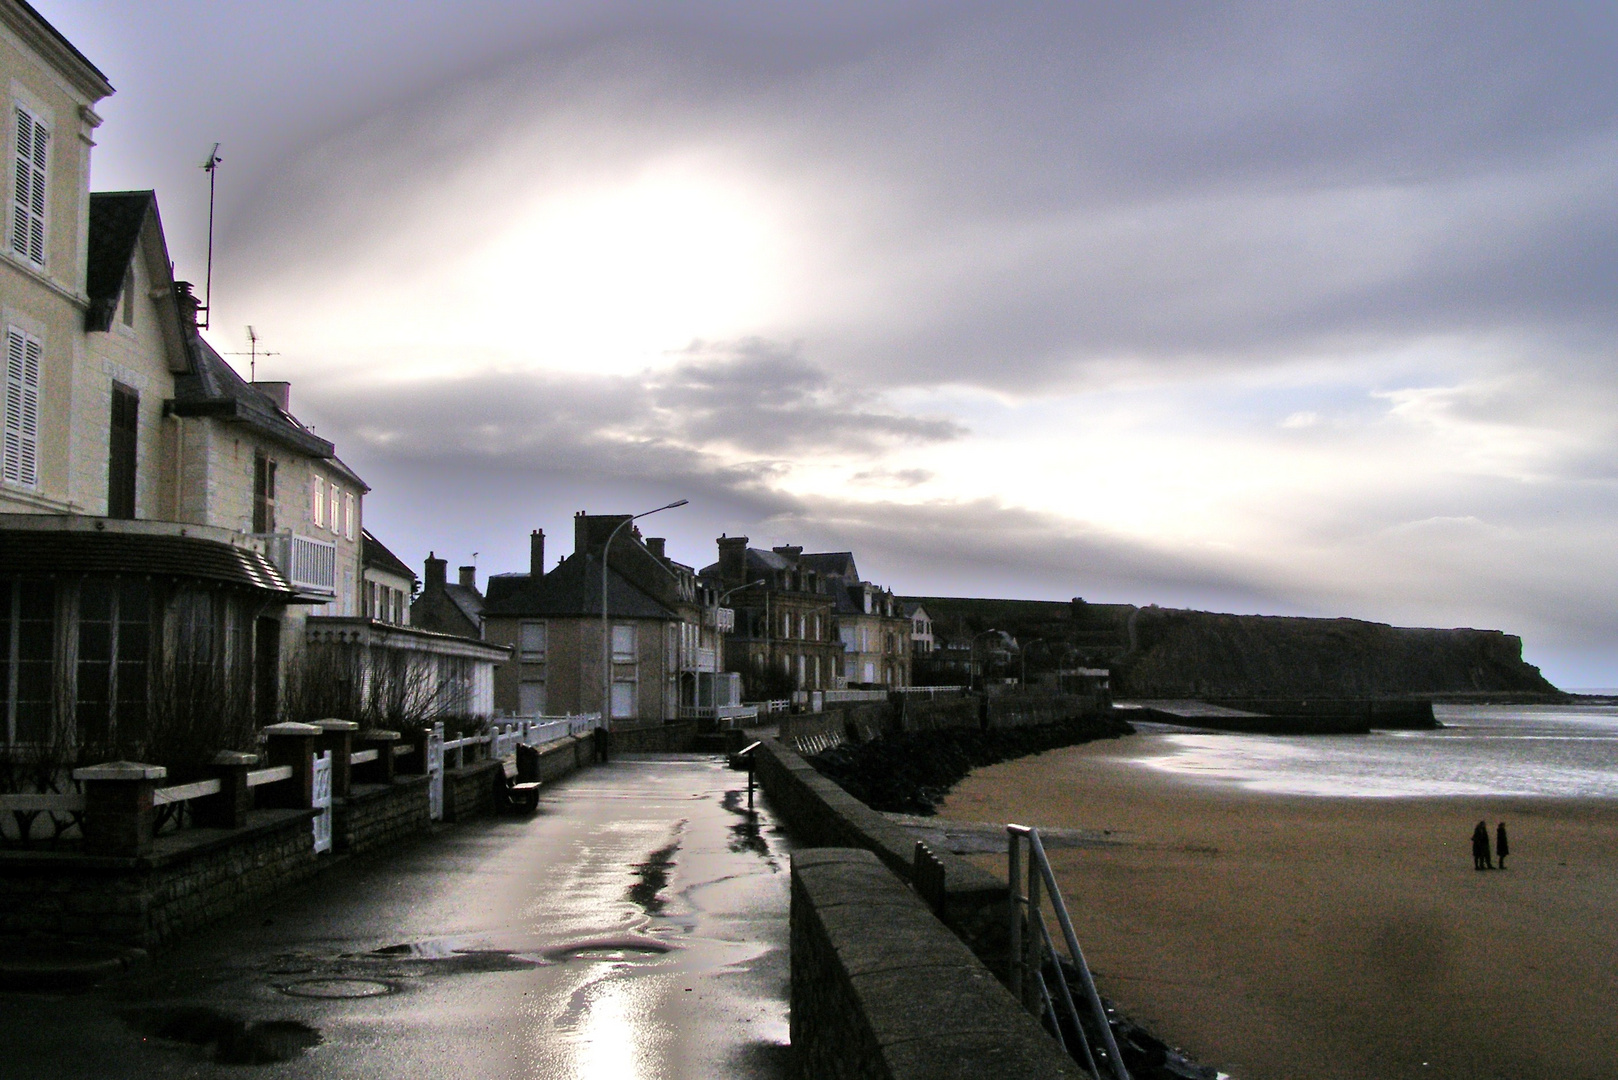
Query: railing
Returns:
{"type": "Point", "coordinates": [701, 658]}
{"type": "Point", "coordinates": [721, 619]}
{"type": "Point", "coordinates": [726, 715]}
{"type": "Point", "coordinates": [1031, 945]}
{"type": "Point", "coordinates": [309, 564]}
{"type": "Point", "coordinates": [932, 691]}
{"type": "Point", "coordinates": [777, 705]}
{"type": "Point", "coordinates": [834, 696]}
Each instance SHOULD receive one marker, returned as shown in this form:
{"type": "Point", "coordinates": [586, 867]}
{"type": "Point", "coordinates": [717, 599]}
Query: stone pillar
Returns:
{"type": "Point", "coordinates": [415, 762]}
{"type": "Point", "coordinates": [381, 770]}
{"type": "Point", "coordinates": [291, 744]}
{"type": "Point", "coordinates": [118, 807]}
{"type": "Point", "coordinates": [338, 740]}
{"type": "Point", "coordinates": [228, 809]}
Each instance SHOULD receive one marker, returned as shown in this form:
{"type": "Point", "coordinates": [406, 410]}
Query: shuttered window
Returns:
{"type": "Point", "coordinates": [28, 189]}
{"type": "Point", "coordinates": [318, 511]}
{"type": "Point", "coordinates": [348, 515]}
{"type": "Point", "coordinates": [121, 433]}
{"type": "Point", "coordinates": [19, 453]}
{"type": "Point", "coordinates": [336, 522]}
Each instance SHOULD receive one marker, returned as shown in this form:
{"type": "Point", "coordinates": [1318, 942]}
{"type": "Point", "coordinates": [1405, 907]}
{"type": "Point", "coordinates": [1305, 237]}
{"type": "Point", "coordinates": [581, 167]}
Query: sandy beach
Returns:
{"type": "Point", "coordinates": [1282, 937]}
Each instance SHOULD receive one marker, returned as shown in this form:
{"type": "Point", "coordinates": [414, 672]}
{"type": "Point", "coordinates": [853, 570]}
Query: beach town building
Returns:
{"type": "Point", "coordinates": [922, 642]}
{"type": "Point", "coordinates": [451, 607]}
{"type": "Point", "coordinates": [871, 624]}
{"type": "Point", "coordinates": [785, 637]}
{"type": "Point", "coordinates": [665, 633]}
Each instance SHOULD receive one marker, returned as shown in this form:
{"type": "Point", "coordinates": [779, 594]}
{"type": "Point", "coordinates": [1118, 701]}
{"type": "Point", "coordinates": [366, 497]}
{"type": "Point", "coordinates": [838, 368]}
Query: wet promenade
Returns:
{"type": "Point", "coordinates": [636, 927]}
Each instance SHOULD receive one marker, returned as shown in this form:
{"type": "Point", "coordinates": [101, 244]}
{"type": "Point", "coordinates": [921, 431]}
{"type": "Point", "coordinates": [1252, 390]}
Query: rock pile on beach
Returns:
{"type": "Point", "coordinates": [912, 772]}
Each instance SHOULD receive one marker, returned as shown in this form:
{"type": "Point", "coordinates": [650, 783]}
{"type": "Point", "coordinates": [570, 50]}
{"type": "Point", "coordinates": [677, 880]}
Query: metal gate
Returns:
{"type": "Point", "coordinates": [435, 773]}
{"type": "Point", "coordinates": [322, 802]}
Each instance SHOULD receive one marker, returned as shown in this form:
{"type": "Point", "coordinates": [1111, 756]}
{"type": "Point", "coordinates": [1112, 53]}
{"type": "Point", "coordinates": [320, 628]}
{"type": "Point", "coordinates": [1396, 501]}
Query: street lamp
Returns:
{"type": "Point", "coordinates": [606, 625]}
{"type": "Point", "coordinates": [973, 647]}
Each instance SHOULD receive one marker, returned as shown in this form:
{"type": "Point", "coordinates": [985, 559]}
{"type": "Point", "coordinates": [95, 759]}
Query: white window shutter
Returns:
{"type": "Point", "coordinates": [19, 453]}
{"type": "Point", "coordinates": [29, 188]}
{"type": "Point", "coordinates": [319, 510]}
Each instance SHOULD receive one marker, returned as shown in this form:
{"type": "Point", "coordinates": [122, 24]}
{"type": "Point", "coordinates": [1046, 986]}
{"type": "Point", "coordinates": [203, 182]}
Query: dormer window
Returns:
{"type": "Point", "coordinates": [28, 189]}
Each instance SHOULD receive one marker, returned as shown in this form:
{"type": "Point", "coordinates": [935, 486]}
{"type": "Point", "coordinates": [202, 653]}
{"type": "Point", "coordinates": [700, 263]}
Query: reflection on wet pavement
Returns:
{"type": "Point", "coordinates": [499, 948]}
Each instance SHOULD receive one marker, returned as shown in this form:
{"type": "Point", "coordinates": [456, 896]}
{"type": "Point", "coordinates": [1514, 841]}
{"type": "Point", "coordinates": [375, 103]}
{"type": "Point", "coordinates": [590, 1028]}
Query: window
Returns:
{"type": "Point", "coordinates": [623, 700]}
{"type": "Point", "coordinates": [113, 657]}
{"type": "Point", "coordinates": [318, 511]}
{"type": "Point", "coordinates": [19, 462]}
{"type": "Point", "coordinates": [121, 432]}
{"type": "Point", "coordinates": [28, 189]}
{"type": "Point", "coordinates": [531, 640]}
{"type": "Point", "coordinates": [336, 522]}
{"type": "Point", "coordinates": [531, 698]}
{"type": "Point", "coordinates": [27, 653]}
{"type": "Point", "coordinates": [847, 633]}
{"type": "Point", "coordinates": [348, 515]}
{"type": "Point", "coordinates": [263, 494]}
{"type": "Point", "coordinates": [803, 625]}
{"type": "Point", "coordinates": [786, 624]}
{"type": "Point", "coordinates": [623, 644]}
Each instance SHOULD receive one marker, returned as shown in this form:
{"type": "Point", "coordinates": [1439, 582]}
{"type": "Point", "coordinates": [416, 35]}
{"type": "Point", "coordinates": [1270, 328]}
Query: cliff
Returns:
{"type": "Point", "coordinates": [1201, 654]}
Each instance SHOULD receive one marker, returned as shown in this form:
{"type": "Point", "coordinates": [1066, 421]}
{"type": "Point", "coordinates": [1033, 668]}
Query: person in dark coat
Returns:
{"type": "Point", "coordinates": [1480, 847]}
{"type": "Point", "coordinates": [1501, 847]}
{"type": "Point", "coordinates": [603, 741]}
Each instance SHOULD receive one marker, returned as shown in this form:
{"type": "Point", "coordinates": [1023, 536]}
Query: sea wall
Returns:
{"type": "Point", "coordinates": [1199, 654]}
{"type": "Point", "coordinates": [882, 991]}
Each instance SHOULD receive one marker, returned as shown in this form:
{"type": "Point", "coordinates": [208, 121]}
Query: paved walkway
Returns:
{"type": "Point", "coordinates": [636, 927]}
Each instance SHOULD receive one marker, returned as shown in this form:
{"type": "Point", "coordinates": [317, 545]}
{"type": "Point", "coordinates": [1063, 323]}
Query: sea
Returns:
{"type": "Point", "coordinates": [1568, 751]}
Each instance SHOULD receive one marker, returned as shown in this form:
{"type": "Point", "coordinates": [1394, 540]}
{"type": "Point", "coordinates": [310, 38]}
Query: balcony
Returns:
{"type": "Point", "coordinates": [720, 619]}
{"type": "Point", "coordinates": [700, 659]}
{"type": "Point", "coordinates": [309, 564]}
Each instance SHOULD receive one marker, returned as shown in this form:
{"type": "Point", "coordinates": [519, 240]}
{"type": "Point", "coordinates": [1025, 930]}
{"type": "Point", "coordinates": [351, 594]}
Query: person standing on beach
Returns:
{"type": "Point", "coordinates": [1480, 847]}
{"type": "Point", "coordinates": [1501, 847]}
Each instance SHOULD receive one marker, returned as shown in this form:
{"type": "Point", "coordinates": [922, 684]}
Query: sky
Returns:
{"type": "Point", "coordinates": [1288, 309]}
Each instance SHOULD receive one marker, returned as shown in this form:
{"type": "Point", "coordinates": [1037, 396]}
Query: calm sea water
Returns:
{"type": "Point", "coordinates": [1544, 750]}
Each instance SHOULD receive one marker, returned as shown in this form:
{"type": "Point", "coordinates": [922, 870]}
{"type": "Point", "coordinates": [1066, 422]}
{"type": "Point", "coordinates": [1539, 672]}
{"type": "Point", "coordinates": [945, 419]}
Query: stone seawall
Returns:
{"type": "Point", "coordinates": [821, 814]}
{"type": "Point", "coordinates": [376, 815]}
{"type": "Point", "coordinates": [905, 1003]}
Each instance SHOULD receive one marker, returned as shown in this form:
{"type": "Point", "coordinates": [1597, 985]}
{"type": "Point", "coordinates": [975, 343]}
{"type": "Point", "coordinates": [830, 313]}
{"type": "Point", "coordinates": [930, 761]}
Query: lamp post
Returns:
{"type": "Point", "coordinates": [717, 604]}
{"type": "Point", "coordinates": [606, 624]}
{"type": "Point", "coordinates": [974, 652]}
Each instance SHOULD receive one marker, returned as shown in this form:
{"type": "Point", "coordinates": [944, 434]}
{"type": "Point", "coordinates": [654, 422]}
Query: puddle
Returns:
{"type": "Point", "coordinates": [746, 835]}
{"type": "Point", "coordinates": [653, 875]}
{"type": "Point", "coordinates": [235, 1041]}
{"type": "Point", "coordinates": [609, 949]}
{"type": "Point", "coordinates": [338, 989]}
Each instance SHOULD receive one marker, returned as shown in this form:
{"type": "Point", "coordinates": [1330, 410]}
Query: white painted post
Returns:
{"type": "Point", "coordinates": [435, 773]}
{"type": "Point", "coordinates": [321, 801]}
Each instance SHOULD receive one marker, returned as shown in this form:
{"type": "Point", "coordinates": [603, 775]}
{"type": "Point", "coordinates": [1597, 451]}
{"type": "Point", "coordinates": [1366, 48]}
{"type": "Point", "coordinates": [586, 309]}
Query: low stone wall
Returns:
{"type": "Point", "coordinates": [906, 1003]}
{"type": "Point", "coordinates": [670, 737]}
{"type": "Point", "coordinates": [1020, 710]}
{"type": "Point", "coordinates": [469, 790]}
{"type": "Point", "coordinates": [569, 755]}
{"type": "Point", "coordinates": [376, 815]}
{"type": "Point", "coordinates": [190, 879]}
{"type": "Point", "coordinates": [821, 814]}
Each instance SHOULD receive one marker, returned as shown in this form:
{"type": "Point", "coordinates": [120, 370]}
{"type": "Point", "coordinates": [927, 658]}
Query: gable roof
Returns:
{"type": "Point", "coordinates": [38, 32]}
{"type": "Point", "coordinates": [573, 588]}
{"type": "Point", "coordinates": [831, 564]}
{"type": "Point", "coordinates": [467, 600]}
{"type": "Point", "coordinates": [214, 389]}
{"type": "Point", "coordinates": [116, 221]}
{"type": "Point", "coordinates": [375, 554]}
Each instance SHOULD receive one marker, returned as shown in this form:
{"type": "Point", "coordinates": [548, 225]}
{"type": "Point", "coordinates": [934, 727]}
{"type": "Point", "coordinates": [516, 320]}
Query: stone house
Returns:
{"type": "Point", "coordinates": [922, 641]}
{"type": "Point", "coordinates": [389, 583]}
{"type": "Point", "coordinates": [784, 637]}
{"type": "Point", "coordinates": [871, 625]}
{"type": "Point", "coordinates": [451, 607]}
{"type": "Point", "coordinates": [664, 636]}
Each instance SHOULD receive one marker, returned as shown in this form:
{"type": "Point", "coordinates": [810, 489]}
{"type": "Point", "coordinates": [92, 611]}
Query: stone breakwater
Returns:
{"type": "Point", "coordinates": [911, 772]}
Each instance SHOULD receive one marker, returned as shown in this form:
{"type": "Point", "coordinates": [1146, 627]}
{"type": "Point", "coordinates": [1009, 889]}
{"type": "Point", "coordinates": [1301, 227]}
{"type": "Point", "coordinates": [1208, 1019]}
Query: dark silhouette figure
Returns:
{"type": "Point", "coordinates": [603, 746]}
{"type": "Point", "coordinates": [1501, 847]}
{"type": "Point", "coordinates": [1480, 847]}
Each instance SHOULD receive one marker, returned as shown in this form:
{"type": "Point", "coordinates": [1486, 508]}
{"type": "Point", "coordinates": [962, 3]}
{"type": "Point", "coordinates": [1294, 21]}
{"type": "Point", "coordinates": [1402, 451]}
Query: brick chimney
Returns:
{"type": "Point", "coordinates": [278, 392]}
{"type": "Point", "coordinates": [654, 544]}
{"type": "Point", "coordinates": [790, 552]}
{"type": "Point", "coordinates": [469, 576]}
{"type": "Point", "coordinates": [732, 559]}
{"type": "Point", "coordinates": [536, 554]}
{"type": "Point", "coordinates": [435, 569]}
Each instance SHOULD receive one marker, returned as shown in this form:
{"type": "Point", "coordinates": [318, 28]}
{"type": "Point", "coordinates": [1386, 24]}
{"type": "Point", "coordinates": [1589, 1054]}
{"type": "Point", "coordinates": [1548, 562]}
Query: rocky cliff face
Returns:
{"type": "Point", "coordinates": [1201, 654]}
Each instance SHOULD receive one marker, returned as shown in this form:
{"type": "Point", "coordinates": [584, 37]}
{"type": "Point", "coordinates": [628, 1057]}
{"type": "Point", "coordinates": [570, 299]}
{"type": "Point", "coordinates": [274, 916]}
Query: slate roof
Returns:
{"type": "Point", "coordinates": [467, 600]}
{"type": "Point", "coordinates": [374, 553]}
{"type": "Point", "coordinates": [116, 220]}
{"type": "Point", "coordinates": [573, 588]}
{"type": "Point", "coordinates": [831, 564]}
{"type": "Point", "coordinates": [213, 388]}
{"type": "Point", "coordinates": [36, 552]}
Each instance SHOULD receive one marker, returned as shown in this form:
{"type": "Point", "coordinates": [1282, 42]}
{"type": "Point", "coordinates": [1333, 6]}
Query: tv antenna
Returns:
{"type": "Point", "coordinates": [252, 354]}
{"type": "Point", "coordinates": [211, 167]}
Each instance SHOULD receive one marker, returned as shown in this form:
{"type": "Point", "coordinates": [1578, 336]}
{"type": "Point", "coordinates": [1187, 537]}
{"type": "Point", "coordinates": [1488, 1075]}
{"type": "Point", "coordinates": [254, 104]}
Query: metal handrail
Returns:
{"type": "Point", "coordinates": [1025, 976]}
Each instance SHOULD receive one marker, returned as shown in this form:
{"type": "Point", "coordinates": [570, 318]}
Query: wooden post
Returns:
{"type": "Point", "coordinates": [291, 744]}
{"type": "Point", "coordinates": [118, 807]}
{"type": "Point", "coordinates": [228, 809]}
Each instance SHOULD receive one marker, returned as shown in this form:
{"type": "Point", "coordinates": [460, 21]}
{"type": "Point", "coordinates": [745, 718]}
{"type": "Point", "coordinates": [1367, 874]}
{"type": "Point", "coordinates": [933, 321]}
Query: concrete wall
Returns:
{"type": "Point", "coordinates": [906, 1002]}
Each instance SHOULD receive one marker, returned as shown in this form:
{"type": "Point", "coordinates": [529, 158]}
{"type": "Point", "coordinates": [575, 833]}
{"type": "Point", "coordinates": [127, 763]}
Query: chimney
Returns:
{"type": "Point", "coordinates": [188, 303]}
{"type": "Point", "coordinates": [732, 559]}
{"type": "Point", "coordinates": [469, 576]}
{"type": "Point", "coordinates": [278, 392]}
{"type": "Point", "coordinates": [435, 571]}
{"type": "Point", "coordinates": [536, 554]}
{"type": "Point", "coordinates": [789, 552]}
{"type": "Point", "coordinates": [654, 544]}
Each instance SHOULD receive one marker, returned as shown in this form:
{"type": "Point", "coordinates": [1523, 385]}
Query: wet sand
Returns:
{"type": "Point", "coordinates": [1281, 937]}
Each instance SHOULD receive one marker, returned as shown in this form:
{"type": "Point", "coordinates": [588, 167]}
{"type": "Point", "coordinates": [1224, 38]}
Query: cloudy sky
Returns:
{"type": "Point", "coordinates": [1289, 309]}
